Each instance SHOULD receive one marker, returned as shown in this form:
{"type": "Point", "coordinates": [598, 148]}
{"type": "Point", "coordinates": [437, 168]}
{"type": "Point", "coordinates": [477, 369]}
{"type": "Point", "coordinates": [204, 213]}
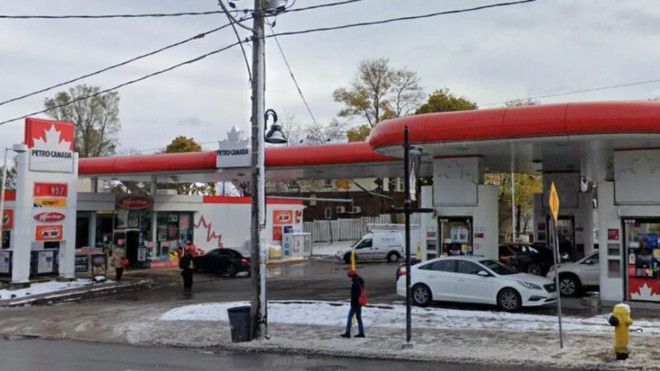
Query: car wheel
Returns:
{"type": "Point", "coordinates": [231, 270]}
{"type": "Point", "coordinates": [421, 295]}
{"type": "Point", "coordinates": [534, 268]}
{"type": "Point", "coordinates": [393, 257]}
{"type": "Point", "coordinates": [569, 285]}
{"type": "Point", "coordinates": [347, 258]}
{"type": "Point", "coordinates": [509, 300]}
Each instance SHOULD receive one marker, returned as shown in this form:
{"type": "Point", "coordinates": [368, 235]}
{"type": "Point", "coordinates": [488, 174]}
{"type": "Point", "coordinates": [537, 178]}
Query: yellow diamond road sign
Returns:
{"type": "Point", "coordinates": [554, 201]}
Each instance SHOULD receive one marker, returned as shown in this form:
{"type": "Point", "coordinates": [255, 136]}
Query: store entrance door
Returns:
{"type": "Point", "coordinates": [130, 240]}
{"type": "Point", "coordinates": [455, 235]}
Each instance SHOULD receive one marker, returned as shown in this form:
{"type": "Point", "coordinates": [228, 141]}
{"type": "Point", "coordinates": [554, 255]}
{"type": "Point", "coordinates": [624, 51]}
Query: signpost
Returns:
{"type": "Point", "coordinates": [553, 202]}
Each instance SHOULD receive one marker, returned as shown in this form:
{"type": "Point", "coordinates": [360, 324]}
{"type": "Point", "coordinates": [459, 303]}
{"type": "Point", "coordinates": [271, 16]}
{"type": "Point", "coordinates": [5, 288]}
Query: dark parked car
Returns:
{"type": "Point", "coordinates": [223, 261]}
{"type": "Point", "coordinates": [535, 259]}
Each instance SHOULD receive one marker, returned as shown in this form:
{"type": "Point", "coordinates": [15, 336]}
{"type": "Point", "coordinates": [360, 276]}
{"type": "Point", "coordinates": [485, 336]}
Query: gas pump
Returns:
{"type": "Point", "coordinates": [455, 236]}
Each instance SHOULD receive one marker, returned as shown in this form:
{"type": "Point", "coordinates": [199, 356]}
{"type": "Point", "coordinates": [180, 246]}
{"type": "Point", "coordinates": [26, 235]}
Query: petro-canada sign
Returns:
{"type": "Point", "coordinates": [50, 145]}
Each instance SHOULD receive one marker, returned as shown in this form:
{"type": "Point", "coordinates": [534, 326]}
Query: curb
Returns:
{"type": "Point", "coordinates": [285, 261]}
{"type": "Point", "coordinates": [92, 291]}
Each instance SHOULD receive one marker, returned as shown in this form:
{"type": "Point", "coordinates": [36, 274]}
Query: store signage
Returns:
{"type": "Point", "coordinates": [233, 153]}
{"type": "Point", "coordinates": [49, 217]}
{"type": "Point", "coordinates": [7, 219]}
{"type": "Point", "coordinates": [56, 203]}
{"type": "Point", "coordinates": [51, 190]}
{"type": "Point", "coordinates": [282, 217]}
{"type": "Point", "coordinates": [135, 202]}
{"type": "Point", "coordinates": [49, 233]}
{"type": "Point", "coordinates": [50, 145]}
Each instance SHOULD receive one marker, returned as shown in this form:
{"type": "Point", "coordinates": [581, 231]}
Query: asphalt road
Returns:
{"type": "Point", "coordinates": [37, 355]}
{"type": "Point", "coordinates": [316, 279]}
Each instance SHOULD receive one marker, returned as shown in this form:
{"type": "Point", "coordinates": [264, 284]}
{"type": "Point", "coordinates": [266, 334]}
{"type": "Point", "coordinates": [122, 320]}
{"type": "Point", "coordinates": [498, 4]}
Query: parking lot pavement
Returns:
{"type": "Point", "coordinates": [313, 279]}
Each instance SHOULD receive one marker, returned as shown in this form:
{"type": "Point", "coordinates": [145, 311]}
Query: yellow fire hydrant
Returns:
{"type": "Point", "coordinates": [621, 320]}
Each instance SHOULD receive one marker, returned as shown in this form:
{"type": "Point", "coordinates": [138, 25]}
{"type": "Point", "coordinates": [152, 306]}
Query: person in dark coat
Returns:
{"type": "Point", "coordinates": [356, 309]}
{"type": "Point", "coordinates": [186, 265]}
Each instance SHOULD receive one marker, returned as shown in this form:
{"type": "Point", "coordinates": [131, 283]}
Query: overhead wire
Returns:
{"type": "Point", "coordinates": [131, 82]}
{"type": "Point", "coordinates": [150, 15]}
{"type": "Point", "coordinates": [105, 16]}
{"type": "Point", "coordinates": [580, 91]}
{"type": "Point", "coordinates": [399, 19]}
{"type": "Point", "coordinates": [233, 20]}
{"type": "Point", "coordinates": [326, 5]}
{"type": "Point", "coordinates": [360, 24]}
{"type": "Point", "coordinates": [196, 37]}
{"type": "Point", "coordinates": [292, 76]}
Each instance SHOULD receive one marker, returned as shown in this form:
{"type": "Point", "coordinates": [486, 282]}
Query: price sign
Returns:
{"type": "Point", "coordinates": [51, 189]}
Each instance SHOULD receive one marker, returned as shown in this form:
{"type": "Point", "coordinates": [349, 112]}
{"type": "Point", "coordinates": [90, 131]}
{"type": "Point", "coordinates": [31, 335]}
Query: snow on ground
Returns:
{"type": "Point", "coordinates": [44, 288]}
{"type": "Point", "coordinates": [444, 335]}
{"type": "Point", "coordinates": [329, 248]}
{"type": "Point", "coordinates": [393, 316]}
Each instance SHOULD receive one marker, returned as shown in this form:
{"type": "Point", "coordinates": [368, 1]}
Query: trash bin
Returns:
{"type": "Point", "coordinates": [239, 322]}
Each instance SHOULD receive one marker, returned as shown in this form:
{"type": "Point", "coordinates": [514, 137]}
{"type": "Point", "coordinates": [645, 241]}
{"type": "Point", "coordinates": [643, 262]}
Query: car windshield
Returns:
{"type": "Point", "coordinates": [356, 242]}
{"type": "Point", "coordinates": [497, 267]}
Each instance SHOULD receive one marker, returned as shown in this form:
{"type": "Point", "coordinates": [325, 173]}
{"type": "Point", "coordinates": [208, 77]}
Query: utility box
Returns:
{"type": "Point", "coordinates": [297, 245]}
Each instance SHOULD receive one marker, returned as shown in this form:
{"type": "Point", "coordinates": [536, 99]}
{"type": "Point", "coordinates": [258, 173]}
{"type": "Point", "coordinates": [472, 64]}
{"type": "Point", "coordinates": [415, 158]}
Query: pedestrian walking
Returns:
{"type": "Point", "coordinates": [187, 265]}
{"type": "Point", "coordinates": [358, 300]}
{"type": "Point", "coordinates": [117, 261]}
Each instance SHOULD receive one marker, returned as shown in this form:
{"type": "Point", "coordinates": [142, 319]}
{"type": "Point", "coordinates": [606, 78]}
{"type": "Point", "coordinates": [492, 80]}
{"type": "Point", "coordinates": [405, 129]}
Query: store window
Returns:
{"type": "Point", "coordinates": [173, 230]}
{"type": "Point", "coordinates": [643, 258]}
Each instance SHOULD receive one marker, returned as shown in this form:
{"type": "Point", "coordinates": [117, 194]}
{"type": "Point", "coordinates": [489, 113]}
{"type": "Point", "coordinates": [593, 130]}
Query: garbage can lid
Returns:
{"type": "Point", "coordinates": [240, 309]}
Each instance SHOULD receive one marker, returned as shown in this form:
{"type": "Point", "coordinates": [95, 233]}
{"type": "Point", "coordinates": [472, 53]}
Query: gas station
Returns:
{"type": "Point", "coordinates": [603, 151]}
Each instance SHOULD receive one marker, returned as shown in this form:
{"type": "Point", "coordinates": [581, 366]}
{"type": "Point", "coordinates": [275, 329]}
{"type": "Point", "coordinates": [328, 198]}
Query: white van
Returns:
{"type": "Point", "coordinates": [375, 246]}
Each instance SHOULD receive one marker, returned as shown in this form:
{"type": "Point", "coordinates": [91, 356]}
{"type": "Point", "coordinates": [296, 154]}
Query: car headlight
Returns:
{"type": "Point", "coordinates": [529, 285]}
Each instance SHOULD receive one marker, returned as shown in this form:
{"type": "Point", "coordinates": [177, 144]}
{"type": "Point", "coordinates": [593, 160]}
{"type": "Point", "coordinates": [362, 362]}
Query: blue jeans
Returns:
{"type": "Point", "coordinates": [358, 313]}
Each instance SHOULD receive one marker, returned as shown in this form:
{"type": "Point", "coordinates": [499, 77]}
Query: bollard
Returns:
{"type": "Point", "coordinates": [621, 320]}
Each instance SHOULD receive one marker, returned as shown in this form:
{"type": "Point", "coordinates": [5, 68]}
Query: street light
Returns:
{"type": "Point", "coordinates": [18, 148]}
{"type": "Point", "coordinates": [275, 135]}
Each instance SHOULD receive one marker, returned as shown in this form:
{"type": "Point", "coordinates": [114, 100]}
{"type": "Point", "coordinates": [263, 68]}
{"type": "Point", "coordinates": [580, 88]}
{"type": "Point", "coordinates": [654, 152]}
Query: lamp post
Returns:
{"type": "Point", "coordinates": [412, 160]}
{"type": "Point", "coordinates": [18, 148]}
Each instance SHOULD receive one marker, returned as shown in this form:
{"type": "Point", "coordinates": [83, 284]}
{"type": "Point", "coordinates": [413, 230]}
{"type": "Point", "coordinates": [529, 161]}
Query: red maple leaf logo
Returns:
{"type": "Point", "coordinates": [210, 234]}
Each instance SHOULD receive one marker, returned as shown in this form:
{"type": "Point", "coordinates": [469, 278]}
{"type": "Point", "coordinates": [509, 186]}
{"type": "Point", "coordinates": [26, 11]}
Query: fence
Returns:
{"type": "Point", "coordinates": [344, 229]}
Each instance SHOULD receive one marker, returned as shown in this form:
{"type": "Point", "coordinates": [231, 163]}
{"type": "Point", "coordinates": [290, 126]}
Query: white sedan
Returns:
{"type": "Point", "coordinates": [471, 279]}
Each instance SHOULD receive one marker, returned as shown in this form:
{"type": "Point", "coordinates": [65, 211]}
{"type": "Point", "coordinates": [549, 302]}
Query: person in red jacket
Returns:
{"type": "Point", "coordinates": [356, 309]}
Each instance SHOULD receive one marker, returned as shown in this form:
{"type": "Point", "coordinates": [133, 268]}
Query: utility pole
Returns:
{"type": "Point", "coordinates": [258, 221]}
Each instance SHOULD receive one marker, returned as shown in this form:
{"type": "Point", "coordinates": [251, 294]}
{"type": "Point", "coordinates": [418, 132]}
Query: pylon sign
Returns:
{"type": "Point", "coordinates": [554, 202]}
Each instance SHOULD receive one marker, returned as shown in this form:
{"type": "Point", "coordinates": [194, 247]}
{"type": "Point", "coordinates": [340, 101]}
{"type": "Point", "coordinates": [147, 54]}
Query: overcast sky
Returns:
{"type": "Point", "coordinates": [489, 56]}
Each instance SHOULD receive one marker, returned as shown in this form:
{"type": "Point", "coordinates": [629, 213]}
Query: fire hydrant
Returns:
{"type": "Point", "coordinates": [621, 320]}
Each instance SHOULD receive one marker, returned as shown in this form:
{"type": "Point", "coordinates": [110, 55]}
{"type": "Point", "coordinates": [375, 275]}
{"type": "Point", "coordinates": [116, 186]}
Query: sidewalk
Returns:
{"type": "Point", "coordinates": [50, 292]}
{"type": "Point", "coordinates": [461, 337]}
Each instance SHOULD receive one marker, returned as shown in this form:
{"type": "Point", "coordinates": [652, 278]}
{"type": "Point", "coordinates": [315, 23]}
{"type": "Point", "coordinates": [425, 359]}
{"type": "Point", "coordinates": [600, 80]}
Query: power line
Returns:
{"type": "Point", "coordinates": [275, 35]}
{"type": "Point", "coordinates": [85, 16]}
{"type": "Point", "coordinates": [234, 21]}
{"type": "Point", "coordinates": [149, 15]}
{"type": "Point", "coordinates": [320, 6]}
{"type": "Point", "coordinates": [292, 77]}
{"type": "Point", "coordinates": [196, 37]}
{"type": "Point", "coordinates": [190, 61]}
{"type": "Point", "coordinates": [580, 91]}
{"type": "Point", "coordinates": [408, 18]}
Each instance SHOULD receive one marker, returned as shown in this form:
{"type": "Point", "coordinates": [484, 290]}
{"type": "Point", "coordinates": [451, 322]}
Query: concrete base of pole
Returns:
{"type": "Point", "coordinates": [410, 345]}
